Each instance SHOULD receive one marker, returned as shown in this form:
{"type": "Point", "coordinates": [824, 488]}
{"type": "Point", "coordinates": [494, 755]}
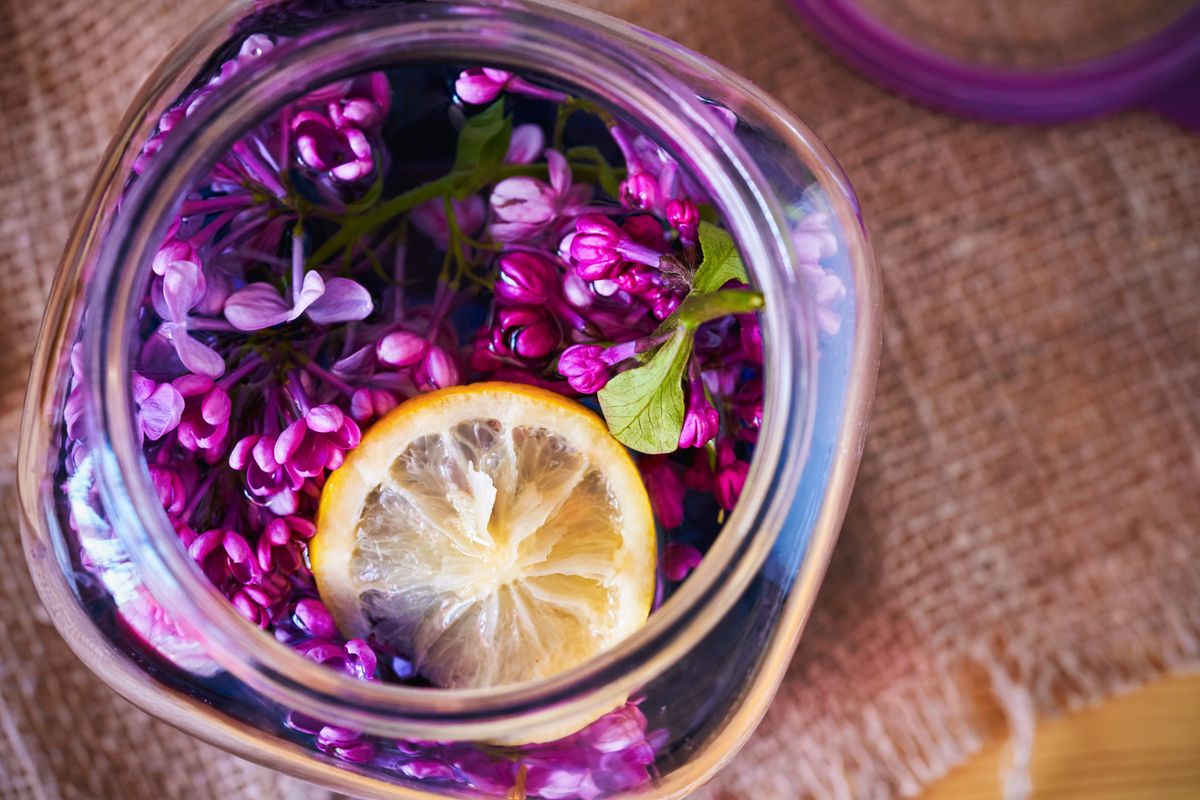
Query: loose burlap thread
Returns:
{"type": "Point", "coordinates": [1024, 529]}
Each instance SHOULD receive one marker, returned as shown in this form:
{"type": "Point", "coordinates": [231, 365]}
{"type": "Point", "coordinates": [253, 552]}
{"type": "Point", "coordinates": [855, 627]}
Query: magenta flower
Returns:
{"type": "Point", "coordinates": [260, 305]}
{"type": "Point", "coordinates": [480, 85]}
{"type": "Point", "coordinates": [750, 337]}
{"type": "Point", "coordinates": [587, 367]}
{"type": "Point", "coordinates": [401, 349]}
{"type": "Point", "coordinates": [181, 288]}
{"type": "Point", "coordinates": [665, 488]}
{"type": "Point", "coordinates": [265, 476]}
{"type": "Point", "coordinates": [314, 618]}
{"type": "Point", "coordinates": [527, 143]}
{"type": "Point", "coordinates": [483, 85]}
{"type": "Point", "coordinates": [281, 543]}
{"type": "Point", "coordinates": [316, 442]}
{"type": "Point", "coordinates": [524, 208]}
{"type": "Point", "coordinates": [343, 152]}
{"type": "Point", "coordinates": [598, 248]}
{"type": "Point", "coordinates": [355, 657]}
{"type": "Point", "coordinates": [204, 421]}
{"type": "Point", "coordinates": [371, 402]}
{"type": "Point", "coordinates": [224, 555]}
{"type": "Point", "coordinates": [159, 406]}
{"type": "Point", "coordinates": [363, 104]}
{"type": "Point", "coordinates": [702, 421]}
{"type": "Point", "coordinates": [685, 218]}
{"type": "Point", "coordinates": [584, 368]}
{"type": "Point", "coordinates": [438, 369]}
{"type": "Point", "coordinates": [526, 332]}
{"type": "Point", "coordinates": [173, 487]}
{"type": "Point", "coordinates": [731, 475]}
{"type": "Point", "coordinates": [640, 190]}
{"type": "Point", "coordinates": [524, 278]}
{"type": "Point", "coordinates": [430, 218]}
{"type": "Point", "coordinates": [679, 560]}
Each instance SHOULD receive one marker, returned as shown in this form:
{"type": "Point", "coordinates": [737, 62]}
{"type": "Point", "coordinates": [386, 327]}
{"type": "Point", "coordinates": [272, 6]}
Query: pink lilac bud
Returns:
{"type": "Point", "coordinates": [527, 332]}
{"type": "Point", "coordinates": [596, 248]}
{"type": "Point", "coordinates": [401, 349]}
{"type": "Point", "coordinates": [584, 368]}
{"type": "Point", "coordinates": [173, 250]}
{"type": "Point", "coordinates": [314, 617]}
{"type": "Point", "coordinates": [316, 442]}
{"type": "Point", "coordinates": [173, 490]}
{"type": "Point", "coordinates": [679, 560]}
{"type": "Point", "coordinates": [640, 190]}
{"type": "Point", "coordinates": [731, 475]}
{"type": "Point", "coordinates": [345, 153]}
{"type": "Point", "coordinates": [371, 403]}
{"type": "Point", "coordinates": [664, 303]}
{"type": "Point", "coordinates": [204, 421]}
{"type": "Point", "coordinates": [527, 143]}
{"type": "Point", "coordinates": [439, 368]}
{"type": "Point", "coordinates": [639, 279]}
{"type": "Point", "coordinates": [525, 279]}
{"type": "Point", "coordinates": [685, 218]}
{"type": "Point", "coordinates": [480, 85]}
{"type": "Point", "coordinates": [702, 421]}
{"type": "Point", "coordinates": [665, 488]}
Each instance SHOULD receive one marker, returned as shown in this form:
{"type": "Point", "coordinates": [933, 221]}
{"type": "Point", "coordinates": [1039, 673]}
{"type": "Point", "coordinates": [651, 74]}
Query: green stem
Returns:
{"type": "Point", "coordinates": [697, 309]}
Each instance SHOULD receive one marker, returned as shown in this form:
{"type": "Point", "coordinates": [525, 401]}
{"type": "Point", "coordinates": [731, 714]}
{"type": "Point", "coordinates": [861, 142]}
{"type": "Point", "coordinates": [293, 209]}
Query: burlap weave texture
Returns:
{"type": "Point", "coordinates": [1027, 513]}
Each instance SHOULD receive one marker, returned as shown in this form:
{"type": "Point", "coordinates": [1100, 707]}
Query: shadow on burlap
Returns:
{"type": "Point", "coordinates": [1025, 523]}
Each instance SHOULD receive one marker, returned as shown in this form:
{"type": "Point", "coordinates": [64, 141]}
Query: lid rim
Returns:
{"type": "Point", "coordinates": [1136, 75]}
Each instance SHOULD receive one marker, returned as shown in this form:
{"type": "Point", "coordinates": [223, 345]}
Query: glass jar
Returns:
{"type": "Point", "coordinates": [125, 595]}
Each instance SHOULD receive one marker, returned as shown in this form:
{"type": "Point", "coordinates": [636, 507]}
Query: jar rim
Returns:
{"type": "Point", "coordinates": [542, 37]}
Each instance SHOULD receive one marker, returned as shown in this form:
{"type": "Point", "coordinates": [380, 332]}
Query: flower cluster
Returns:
{"type": "Point", "coordinates": [292, 303]}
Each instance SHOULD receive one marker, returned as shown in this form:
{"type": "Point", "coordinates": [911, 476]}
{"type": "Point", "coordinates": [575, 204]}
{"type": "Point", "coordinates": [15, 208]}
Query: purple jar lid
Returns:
{"type": "Point", "coordinates": [1161, 71]}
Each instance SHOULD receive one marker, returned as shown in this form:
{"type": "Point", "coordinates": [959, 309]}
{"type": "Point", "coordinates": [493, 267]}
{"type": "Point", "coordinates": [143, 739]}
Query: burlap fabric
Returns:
{"type": "Point", "coordinates": [1025, 524]}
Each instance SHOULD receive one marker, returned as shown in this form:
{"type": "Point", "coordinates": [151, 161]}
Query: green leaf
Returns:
{"type": "Point", "coordinates": [484, 139]}
{"type": "Point", "coordinates": [721, 262]}
{"type": "Point", "coordinates": [644, 406]}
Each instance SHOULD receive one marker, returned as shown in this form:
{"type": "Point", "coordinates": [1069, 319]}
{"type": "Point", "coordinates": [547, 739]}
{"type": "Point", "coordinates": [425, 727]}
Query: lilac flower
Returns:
{"type": "Point", "coordinates": [750, 337]}
{"type": "Point", "coordinates": [587, 366]}
{"type": "Point", "coordinates": [665, 488]}
{"type": "Point", "coordinates": [180, 289]}
{"type": "Point", "coordinates": [280, 545]}
{"type": "Point", "coordinates": [430, 218]}
{"type": "Point", "coordinates": [701, 422]}
{"type": "Point", "coordinates": [355, 657]}
{"type": "Point", "coordinates": [362, 104]}
{"type": "Point", "coordinates": [527, 143]}
{"type": "Point", "coordinates": [524, 208]}
{"type": "Point", "coordinates": [685, 218]}
{"type": "Point", "coordinates": [315, 442]}
{"type": "Point", "coordinates": [731, 475]}
{"type": "Point", "coordinates": [265, 476]}
{"type": "Point", "coordinates": [313, 617]}
{"type": "Point", "coordinates": [526, 332]}
{"type": "Point", "coordinates": [401, 348]}
{"type": "Point", "coordinates": [370, 403]}
{"type": "Point", "coordinates": [204, 421]}
{"type": "Point", "coordinates": [438, 369]}
{"type": "Point", "coordinates": [813, 241]}
{"type": "Point", "coordinates": [483, 85]}
{"type": "Point", "coordinates": [173, 487]}
{"type": "Point", "coordinates": [679, 560]}
{"type": "Point", "coordinates": [260, 305]}
{"type": "Point", "coordinates": [598, 248]}
{"type": "Point", "coordinates": [478, 86]}
{"type": "Point", "coordinates": [224, 555]}
{"type": "Point", "coordinates": [159, 407]}
{"type": "Point", "coordinates": [525, 278]}
{"type": "Point", "coordinates": [343, 152]}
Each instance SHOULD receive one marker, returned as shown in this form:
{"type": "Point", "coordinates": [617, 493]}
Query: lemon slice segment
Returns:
{"type": "Point", "coordinates": [495, 533]}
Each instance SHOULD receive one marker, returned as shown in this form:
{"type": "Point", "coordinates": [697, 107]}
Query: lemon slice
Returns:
{"type": "Point", "coordinates": [495, 533]}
